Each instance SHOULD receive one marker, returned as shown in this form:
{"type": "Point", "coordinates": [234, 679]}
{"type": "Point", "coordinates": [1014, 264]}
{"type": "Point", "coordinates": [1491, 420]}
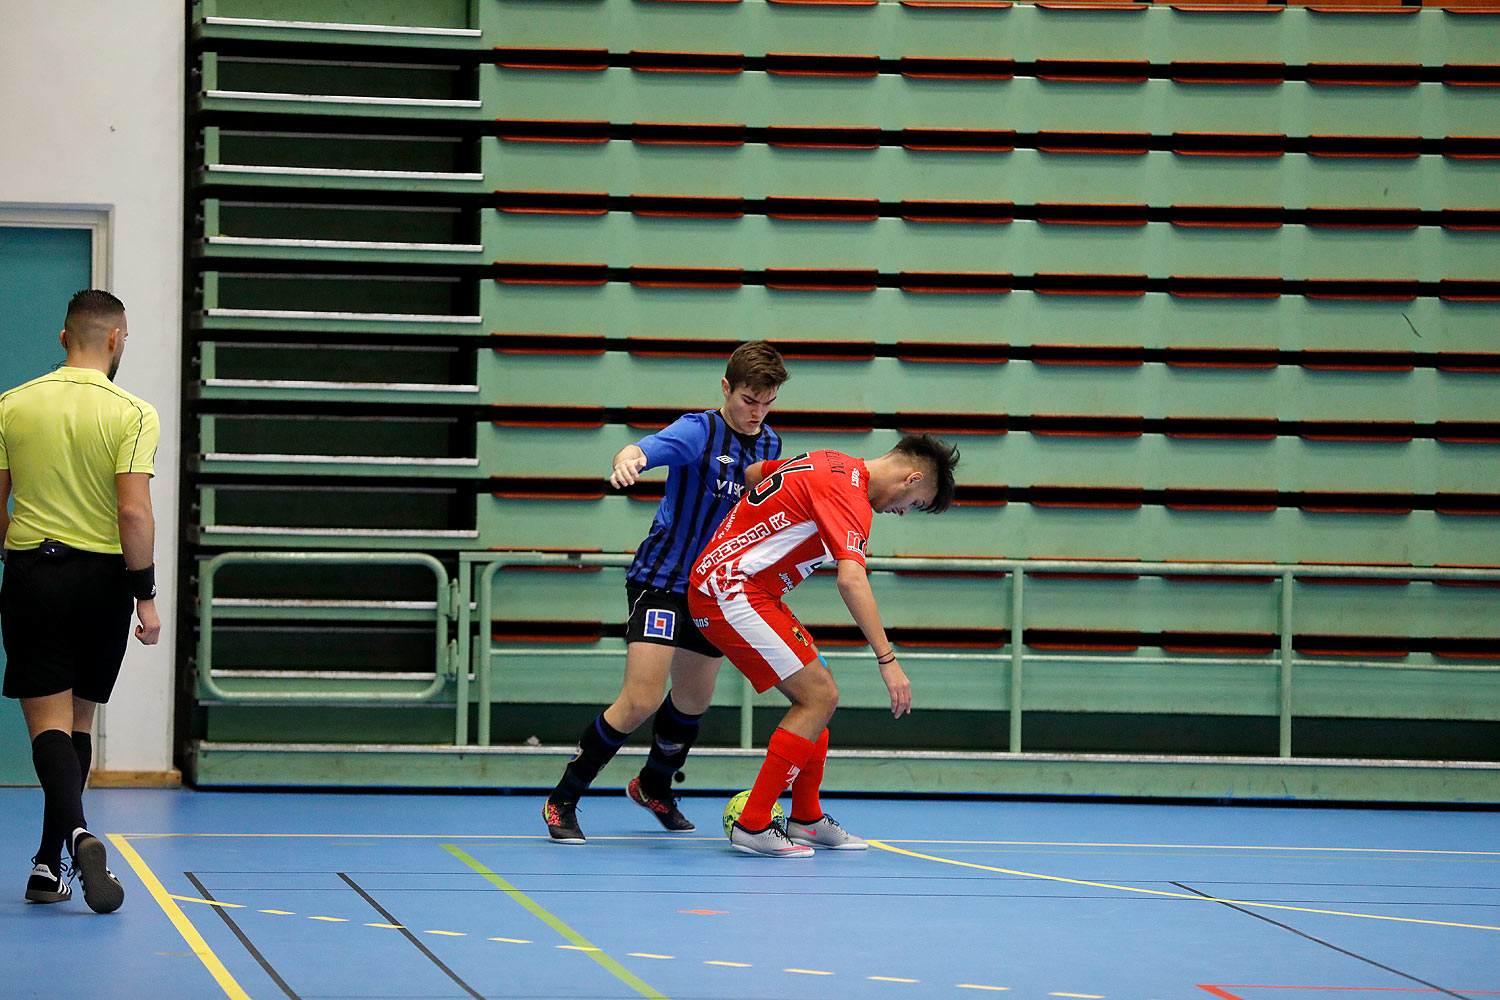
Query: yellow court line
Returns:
{"type": "Point", "coordinates": [174, 913]}
{"type": "Point", "coordinates": [1195, 847]}
{"type": "Point", "coordinates": [1176, 895]}
{"type": "Point", "coordinates": [579, 941]}
{"type": "Point", "coordinates": [207, 902]}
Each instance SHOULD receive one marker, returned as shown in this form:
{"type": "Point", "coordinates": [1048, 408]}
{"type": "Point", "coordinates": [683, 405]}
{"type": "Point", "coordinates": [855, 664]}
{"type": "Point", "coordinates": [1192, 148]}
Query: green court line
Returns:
{"type": "Point", "coordinates": [578, 940]}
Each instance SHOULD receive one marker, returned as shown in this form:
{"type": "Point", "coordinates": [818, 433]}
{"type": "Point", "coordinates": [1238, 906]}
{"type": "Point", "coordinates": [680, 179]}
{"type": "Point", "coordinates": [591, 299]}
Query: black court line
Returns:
{"type": "Point", "coordinates": [1316, 940]}
{"type": "Point", "coordinates": [410, 937]}
{"type": "Point", "coordinates": [254, 952]}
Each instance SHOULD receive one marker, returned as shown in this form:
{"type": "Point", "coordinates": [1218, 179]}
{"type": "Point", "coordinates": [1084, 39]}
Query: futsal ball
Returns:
{"type": "Point", "coordinates": [737, 806]}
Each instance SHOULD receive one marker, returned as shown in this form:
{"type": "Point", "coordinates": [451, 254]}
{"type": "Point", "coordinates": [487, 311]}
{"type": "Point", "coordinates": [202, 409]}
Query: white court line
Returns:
{"type": "Point", "coordinates": [888, 840]}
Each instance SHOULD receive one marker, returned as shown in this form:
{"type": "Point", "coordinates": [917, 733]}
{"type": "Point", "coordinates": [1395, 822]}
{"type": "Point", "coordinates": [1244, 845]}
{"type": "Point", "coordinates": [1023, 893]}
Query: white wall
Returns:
{"type": "Point", "coordinates": [91, 113]}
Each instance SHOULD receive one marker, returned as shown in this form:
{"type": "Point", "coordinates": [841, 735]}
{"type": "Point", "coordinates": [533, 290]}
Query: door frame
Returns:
{"type": "Point", "coordinates": [99, 221]}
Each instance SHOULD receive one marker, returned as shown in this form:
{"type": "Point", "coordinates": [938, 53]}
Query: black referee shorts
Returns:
{"type": "Point", "coordinates": [65, 617]}
{"type": "Point", "coordinates": [661, 617]}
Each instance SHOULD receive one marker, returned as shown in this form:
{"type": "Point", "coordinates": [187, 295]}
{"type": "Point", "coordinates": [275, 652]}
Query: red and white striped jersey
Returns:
{"type": "Point", "coordinates": [807, 510]}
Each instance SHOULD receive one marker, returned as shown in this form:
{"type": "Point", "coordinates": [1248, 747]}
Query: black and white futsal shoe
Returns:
{"type": "Point", "coordinates": [47, 886]}
{"type": "Point", "coordinates": [101, 890]}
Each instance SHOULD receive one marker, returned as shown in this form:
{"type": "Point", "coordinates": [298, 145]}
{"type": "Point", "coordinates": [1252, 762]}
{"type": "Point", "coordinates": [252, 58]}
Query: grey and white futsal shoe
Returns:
{"type": "Point", "coordinates": [823, 832]}
{"type": "Point", "coordinates": [771, 842]}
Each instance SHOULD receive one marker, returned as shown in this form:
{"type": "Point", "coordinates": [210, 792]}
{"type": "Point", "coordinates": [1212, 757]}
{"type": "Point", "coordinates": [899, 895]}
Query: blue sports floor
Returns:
{"type": "Point", "coordinates": [312, 895]}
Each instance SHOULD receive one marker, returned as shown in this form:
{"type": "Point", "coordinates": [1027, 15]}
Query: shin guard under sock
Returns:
{"type": "Point", "coordinates": [596, 747]}
{"type": "Point", "coordinates": [672, 734]}
{"type": "Point", "coordinates": [805, 804]}
{"type": "Point", "coordinates": [785, 756]}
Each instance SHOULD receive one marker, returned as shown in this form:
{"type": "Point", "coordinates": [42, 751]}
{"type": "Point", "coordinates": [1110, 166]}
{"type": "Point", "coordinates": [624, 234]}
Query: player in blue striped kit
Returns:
{"type": "Point", "coordinates": [706, 454]}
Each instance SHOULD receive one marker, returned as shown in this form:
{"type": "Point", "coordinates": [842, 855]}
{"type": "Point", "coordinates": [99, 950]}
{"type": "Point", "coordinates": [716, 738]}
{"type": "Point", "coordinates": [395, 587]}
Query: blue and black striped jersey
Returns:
{"type": "Point", "coordinates": [706, 462]}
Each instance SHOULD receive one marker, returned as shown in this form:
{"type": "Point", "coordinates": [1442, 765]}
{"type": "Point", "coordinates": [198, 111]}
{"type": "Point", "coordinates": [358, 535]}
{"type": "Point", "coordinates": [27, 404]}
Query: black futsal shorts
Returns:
{"type": "Point", "coordinates": [65, 617]}
{"type": "Point", "coordinates": [661, 617]}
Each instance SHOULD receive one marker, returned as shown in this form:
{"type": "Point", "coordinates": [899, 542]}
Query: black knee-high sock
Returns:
{"type": "Point", "coordinates": [53, 834]}
{"type": "Point", "coordinates": [596, 747]}
{"type": "Point", "coordinates": [83, 746]}
{"type": "Point", "coordinates": [672, 735]}
{"type": "Point", "coordinates": [57, 767]}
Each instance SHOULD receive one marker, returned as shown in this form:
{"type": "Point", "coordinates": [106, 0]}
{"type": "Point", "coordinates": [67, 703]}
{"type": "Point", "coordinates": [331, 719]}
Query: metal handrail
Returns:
{"type": "Point", "coordinates": [480, 653]}
{"type": "Point", "coordinates": [443, 658]}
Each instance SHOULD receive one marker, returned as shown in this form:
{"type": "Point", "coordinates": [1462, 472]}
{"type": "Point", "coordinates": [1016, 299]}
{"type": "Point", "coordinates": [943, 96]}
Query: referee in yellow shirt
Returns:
{"type": "Point", "coordinates": [77, 451]}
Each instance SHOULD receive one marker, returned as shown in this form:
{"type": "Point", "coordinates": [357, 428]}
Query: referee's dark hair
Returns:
{"type": "Point", "coordinates": [91, 312]}
{"type": "Point", "coordinates": [932, 451]}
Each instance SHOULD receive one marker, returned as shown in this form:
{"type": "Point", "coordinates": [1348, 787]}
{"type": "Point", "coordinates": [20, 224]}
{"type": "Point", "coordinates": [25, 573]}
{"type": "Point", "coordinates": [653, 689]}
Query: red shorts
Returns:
{"type": "Point", "coordinates": [759, 634]}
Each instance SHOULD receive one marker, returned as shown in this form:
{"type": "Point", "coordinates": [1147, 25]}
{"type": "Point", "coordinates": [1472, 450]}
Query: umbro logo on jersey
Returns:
{"type": "Point", "coordinates": [725, 459]}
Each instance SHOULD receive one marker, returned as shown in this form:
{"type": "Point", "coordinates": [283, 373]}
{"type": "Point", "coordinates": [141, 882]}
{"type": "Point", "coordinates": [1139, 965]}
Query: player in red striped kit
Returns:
{"type": "Point", "coordinates": [804, 511]}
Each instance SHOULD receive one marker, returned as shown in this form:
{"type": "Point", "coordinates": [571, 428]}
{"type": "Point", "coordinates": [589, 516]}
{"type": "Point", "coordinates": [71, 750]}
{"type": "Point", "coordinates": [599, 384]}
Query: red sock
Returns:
{"type": "Point", "coordinates": [785, 757]}
{"type": "Point", "coordinates": [805, 804]}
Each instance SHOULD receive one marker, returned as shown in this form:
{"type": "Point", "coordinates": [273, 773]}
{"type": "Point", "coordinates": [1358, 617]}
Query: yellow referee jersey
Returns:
{"type": "Point", "coordinates": [63, 437]}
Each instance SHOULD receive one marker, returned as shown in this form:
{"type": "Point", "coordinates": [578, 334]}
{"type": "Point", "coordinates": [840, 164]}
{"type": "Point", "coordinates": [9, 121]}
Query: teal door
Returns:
{"type": "Point", "coordinates": [40, 269]}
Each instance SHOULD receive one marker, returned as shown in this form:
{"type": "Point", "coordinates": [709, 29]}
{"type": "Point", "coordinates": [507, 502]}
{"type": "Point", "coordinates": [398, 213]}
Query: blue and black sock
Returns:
{"type": "Point", "coordinates": [672, 735]}
{"type": "Point", "coordinates": [597, 746]}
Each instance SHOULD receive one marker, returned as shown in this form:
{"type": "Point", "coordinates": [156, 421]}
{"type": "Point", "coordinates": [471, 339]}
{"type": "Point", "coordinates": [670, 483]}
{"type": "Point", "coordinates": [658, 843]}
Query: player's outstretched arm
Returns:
{"type": "Point", "coordinates": [854, 588]}
{"type": "Point", "coordinates": [629, 462]}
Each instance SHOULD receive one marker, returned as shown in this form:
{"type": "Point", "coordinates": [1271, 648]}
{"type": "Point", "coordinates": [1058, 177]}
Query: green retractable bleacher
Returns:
{"type": "Point", "coordinates": [1212, 284]}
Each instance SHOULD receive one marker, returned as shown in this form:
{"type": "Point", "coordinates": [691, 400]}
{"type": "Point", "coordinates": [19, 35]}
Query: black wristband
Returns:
{"type": "Point", "coordinates": [142, 583]}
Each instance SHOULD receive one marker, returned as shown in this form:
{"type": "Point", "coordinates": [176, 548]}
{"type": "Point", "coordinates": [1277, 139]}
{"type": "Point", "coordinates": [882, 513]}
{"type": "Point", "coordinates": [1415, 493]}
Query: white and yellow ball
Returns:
{"type": "Point", "coordinates": [737, 806]}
